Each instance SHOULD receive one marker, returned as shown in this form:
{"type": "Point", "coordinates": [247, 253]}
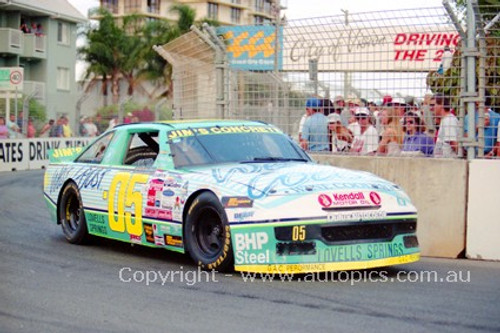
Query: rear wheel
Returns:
{"type": "Point", "coordinates": [71, 215]}
{"type": "Point", "coordinates": [207, 234]}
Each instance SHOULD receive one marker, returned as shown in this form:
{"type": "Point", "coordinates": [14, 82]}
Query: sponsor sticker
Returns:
{"type": "Point", "coordinates": [237, 202]}
{"type": "Point", "coordinates": [172, 240]}
{"type": "Point", "coordinates": [148, 230]}
{"type": "Point", "coordinates": [358, 199]}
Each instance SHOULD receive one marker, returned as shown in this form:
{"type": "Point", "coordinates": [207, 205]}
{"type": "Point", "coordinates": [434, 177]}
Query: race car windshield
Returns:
{"type": "Point", "coordinates": [204, 149]}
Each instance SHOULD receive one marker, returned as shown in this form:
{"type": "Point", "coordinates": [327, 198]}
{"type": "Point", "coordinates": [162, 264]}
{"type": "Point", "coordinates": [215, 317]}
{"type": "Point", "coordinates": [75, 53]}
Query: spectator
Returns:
{"type": "Point", "coordinates": [341, 137]}
{"type": "Point", "coordinates": [367, 142]}
{"type": "Point", "coordinates": [315, 131]}
{"type": "Point", "coordinates": [24, 27]}
{"type": "Point", "coordinates": [20, 119]}
{"type": "Point", "coordinates": [31, 130]}
{"type": "Point", "coordinates": [81, 126]}
{"type": "Point", "coordinates": [327, 106]}
{"type": "Point", "coordinates": [495, 152]}
{"type": "Point", "coordinates": [445, 60]}
{"type": "Point", "coordinates": [491, 121]}
{"type": "Point", "coordinates": [428, 117]}
{"type": "Point", "coordinates": [400, 105]}
{"type": "Point", "coordinates": [342, 110]}
{"type": "Point", "coordinates": [112, 123]}
{"type": "Point", "coordinates": [98, 123]}
{"type": "Point", "coordinates": [12, 127]}
{"type": "Point", "coordinates": [90, 128]}
{"type": "Point", "coordinates": [308, 112]}
{"type": "Point", "coordinates": [56, 130]}
{"type": "Point", "coordinates": [33, 28]}
{"type": "Point", "coordinates": [392, 135]}
{"type": "Point", "coordinates": [447, 135]}
{"type": "Point", "coordinates": [45, 131]}
{"type": "Point", "coordinates": [416, 140]}
{"type": "Point", "coordinates": [4, 131]}
{"type": "Point", "coordinates": [67, 132]}
{"type": "Point", "coordinates": [39, 30]}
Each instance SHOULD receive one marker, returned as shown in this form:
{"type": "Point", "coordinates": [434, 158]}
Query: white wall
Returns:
{"type": "Point", "coordinates": [483, 215]}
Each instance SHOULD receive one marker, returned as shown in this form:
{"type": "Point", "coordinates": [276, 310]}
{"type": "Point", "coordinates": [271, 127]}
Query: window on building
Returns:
{"type": "Point", "coordinates": [131, 6]}
{"type": "Point", "coordinates": [213, 11]}
{"type": "Point", "coordinates": [63, 33]}
{"type": "Point", "coordinates": [63, 78]}
{"type": "Point", "coordinates": [259, 5]}
{"type": "Point", "coordinates": [235, 15]}
{"type": "Point", "coordinates": [238, 2]}
{"type": "Point", "coordinates": [110, 5]}
{"type": "Point", "coordinates": [154, 6]}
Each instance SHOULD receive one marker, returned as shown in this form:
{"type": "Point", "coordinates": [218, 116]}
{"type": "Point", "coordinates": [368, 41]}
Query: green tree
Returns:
{"type": "Point", "coordinates": [449, 82]}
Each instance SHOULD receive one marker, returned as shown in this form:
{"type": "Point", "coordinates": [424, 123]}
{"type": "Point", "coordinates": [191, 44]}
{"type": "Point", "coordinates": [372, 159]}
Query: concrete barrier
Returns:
{"type": "Point", "coordinates": [437, 187]}
{"type": "Point", "coordinates": [483, 214]}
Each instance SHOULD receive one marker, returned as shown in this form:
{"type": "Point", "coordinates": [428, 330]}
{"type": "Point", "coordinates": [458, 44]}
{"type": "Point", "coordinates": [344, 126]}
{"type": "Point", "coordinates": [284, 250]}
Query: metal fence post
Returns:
{"type": "Point", "coordinates": [471, 92]}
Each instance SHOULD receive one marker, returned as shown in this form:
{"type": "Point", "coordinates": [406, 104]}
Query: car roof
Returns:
{"type": "Point", "coordinates": [184, 124]}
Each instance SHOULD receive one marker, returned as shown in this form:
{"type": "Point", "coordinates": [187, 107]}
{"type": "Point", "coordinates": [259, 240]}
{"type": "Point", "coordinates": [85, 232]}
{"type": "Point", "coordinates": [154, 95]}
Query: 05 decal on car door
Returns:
{"type": "Point", "coordinates": [128, 200]}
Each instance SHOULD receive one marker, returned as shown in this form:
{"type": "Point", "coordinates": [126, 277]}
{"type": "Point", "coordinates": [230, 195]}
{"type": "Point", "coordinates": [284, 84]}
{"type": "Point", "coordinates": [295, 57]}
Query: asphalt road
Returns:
{"type": "Point", "coordinates": [49, 285]}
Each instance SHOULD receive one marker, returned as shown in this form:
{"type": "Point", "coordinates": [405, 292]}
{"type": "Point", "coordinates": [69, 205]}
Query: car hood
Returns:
{"type": "Point", "coordinates": [257, 180]}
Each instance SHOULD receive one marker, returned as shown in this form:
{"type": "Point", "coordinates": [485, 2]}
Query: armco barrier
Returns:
{"type": "Point", "coordinates": [483, 214]}
{"type": "Point", "coordinates": [437, 187]}
{"type": "Point", "coordinates": [28, 154]}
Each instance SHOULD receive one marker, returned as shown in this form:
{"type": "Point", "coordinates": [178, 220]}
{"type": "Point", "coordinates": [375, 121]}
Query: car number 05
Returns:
{"type": "Point", "coordinates": [298, 233]}
{"type": "Point", "coordinates": [124, 182]}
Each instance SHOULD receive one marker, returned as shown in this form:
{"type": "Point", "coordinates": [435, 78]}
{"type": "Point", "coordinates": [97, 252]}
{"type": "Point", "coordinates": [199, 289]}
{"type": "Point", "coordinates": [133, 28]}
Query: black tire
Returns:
{"type": "Point", "coordinates": [207, 234]}
{"type": "Point", "coordinates": [71, 215]}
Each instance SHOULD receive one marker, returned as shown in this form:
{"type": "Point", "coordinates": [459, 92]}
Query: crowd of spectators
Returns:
{"type": "Point", "coordinates": [33, 28]}
{"type": "Point", "coordinates": [396, 127]}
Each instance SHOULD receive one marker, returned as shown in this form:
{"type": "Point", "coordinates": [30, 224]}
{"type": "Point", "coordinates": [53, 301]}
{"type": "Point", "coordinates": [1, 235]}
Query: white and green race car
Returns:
{"type": "Point", "coordinates": [233, 194]}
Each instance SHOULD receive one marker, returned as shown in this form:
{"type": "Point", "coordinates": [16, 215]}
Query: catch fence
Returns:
{"type": "Point", "coordinates": [391, 62]}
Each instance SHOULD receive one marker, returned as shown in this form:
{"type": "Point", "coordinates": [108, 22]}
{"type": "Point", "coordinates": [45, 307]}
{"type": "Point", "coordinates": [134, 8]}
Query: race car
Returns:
{"type": "Point", "coordinates": [236, 195]}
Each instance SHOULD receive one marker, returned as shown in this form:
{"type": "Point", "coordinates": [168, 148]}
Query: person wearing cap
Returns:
{"type": "Point", "coordinates": [315, 131]}
{"type": "Point", "coordinates": [392, 135]}
{"type": "Point", "coordinates": [341, 137]}
{"type": "Point", "coordinates": [447, 134]}
{"type": "Point", "coordinates": [367, 142]}
{"type": "Point", "coordinates": [416, 140]}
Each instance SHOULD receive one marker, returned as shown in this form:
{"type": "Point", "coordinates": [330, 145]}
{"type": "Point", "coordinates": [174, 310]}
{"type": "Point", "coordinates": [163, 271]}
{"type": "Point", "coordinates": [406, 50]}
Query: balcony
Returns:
{"type": "Point", "coordinates": [34, 47]}
{"type": "Point", "coordinates": [11, 41]}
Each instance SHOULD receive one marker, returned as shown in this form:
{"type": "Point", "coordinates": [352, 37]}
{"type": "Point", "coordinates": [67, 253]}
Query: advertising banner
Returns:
{"type": "Point", "coordinates": [28, 154]}
{"type": "Point", "coordinates": [252, 47]}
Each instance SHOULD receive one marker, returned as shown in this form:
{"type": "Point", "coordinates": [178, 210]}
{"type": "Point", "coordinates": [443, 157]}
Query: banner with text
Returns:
{"type": "Point", "coordinates": [27, 154]}
{"type": "Point", "coordinates": [354, 48]}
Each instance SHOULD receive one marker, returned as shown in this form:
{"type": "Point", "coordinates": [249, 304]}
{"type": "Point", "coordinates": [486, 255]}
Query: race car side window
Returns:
{"type": "Point", "coordinates": [95, 152]}
{"type": "Point", "coordinates": [142, 150]}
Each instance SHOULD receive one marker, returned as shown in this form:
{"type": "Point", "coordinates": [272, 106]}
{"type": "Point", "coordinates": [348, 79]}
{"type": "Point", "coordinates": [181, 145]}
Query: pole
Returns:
{"type": "Point", "coordinates": [471, 76]}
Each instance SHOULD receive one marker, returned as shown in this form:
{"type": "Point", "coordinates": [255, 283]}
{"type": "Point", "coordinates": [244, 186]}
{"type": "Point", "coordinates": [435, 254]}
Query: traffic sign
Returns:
{"type": "Point", "coordinates": [11, 78]}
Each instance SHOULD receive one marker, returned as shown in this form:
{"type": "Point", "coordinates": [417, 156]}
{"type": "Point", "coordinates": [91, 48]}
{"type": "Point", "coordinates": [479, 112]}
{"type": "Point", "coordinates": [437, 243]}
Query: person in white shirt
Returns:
{"type": "Point", "coordinates": [90, 128]}
{"type": "Point", "coordinates": [366, 143]}
{"type": "Point", "coordinates": [447, 137]}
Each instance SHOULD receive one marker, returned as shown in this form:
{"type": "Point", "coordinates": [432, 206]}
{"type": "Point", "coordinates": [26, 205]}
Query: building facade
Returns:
{"type": "Point", "coordinates": [227, 12]}
{"type": "Point", "coordinates": [40, 37]}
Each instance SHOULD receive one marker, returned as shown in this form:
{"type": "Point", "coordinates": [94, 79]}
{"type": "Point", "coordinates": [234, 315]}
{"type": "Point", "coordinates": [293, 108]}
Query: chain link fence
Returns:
{"type": "Point", "coordinates": [415, 73]}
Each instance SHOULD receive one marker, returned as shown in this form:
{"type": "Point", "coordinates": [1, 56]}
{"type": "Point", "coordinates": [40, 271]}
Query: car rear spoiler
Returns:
{"type": "Point", "coordinates": [64, 154]}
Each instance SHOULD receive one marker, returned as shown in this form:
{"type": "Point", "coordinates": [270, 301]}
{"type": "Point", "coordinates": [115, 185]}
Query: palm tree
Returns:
{"type": "Point", "coordinates": [123, 49]}
{"type": "Point", "coordinates": [103, 53]}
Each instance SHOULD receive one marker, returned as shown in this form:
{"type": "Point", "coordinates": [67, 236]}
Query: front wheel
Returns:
{"type": "Point", "coordinates": [207, 233]}
{"type": "Point", "coordinates": [71, 215]}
